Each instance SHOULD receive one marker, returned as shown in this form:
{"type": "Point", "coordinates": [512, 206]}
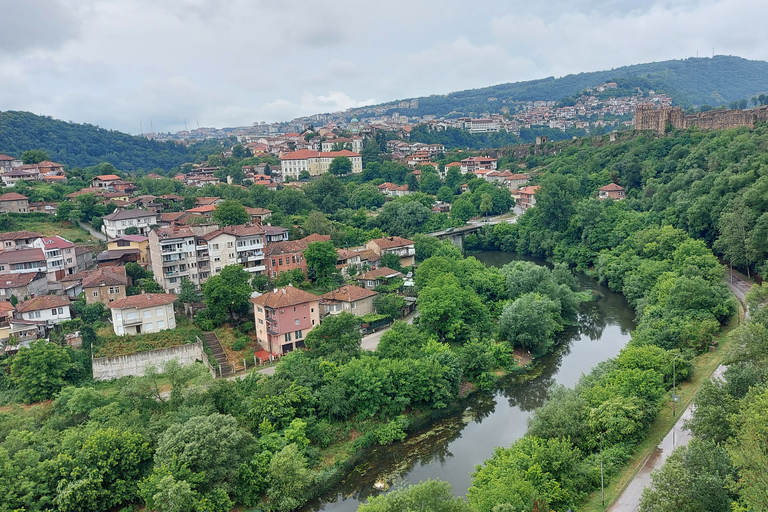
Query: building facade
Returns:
{"type": "Point", "coordinates": [283, 317]}
{"type": "Point", "coordinates": [117, 222]}
{"type": "Point", "coordinates": [142, 314]}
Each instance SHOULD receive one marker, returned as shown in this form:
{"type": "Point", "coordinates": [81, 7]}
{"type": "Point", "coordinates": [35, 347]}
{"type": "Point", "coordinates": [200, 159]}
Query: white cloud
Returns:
{"type": "Point", "coordinates": [311, 104]}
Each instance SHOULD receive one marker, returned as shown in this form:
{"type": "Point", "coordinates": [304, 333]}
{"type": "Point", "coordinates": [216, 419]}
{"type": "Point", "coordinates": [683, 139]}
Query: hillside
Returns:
{"type": "Point", "coordinates": [84, 145]}
{"type": "Point", "coordinates": [690, 82]}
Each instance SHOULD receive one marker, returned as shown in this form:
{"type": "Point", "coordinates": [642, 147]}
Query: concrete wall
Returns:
{"type": "Point", "coordinates": [107, 368]}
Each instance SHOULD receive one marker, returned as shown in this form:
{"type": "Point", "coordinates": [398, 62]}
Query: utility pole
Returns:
{"type": "Point", "coordinates": [602, 485]}
{"type": "Point", "coordinates": [674, 385]}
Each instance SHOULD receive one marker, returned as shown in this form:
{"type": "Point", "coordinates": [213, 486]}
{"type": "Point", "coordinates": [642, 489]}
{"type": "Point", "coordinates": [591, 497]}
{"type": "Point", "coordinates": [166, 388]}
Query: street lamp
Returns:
{"type": "Point", "coordinates": [674, 385]}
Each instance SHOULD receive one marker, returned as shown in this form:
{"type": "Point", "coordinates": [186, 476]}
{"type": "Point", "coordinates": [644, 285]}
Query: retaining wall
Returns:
{"type": "Point", "coordinates": [107, 368]}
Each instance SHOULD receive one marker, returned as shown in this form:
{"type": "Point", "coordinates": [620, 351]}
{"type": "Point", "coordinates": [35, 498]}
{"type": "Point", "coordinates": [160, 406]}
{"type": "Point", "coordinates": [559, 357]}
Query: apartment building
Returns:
{"type": "Point", "coordinates": [316, 162]}
{"type": "Point", "coordinates": [283, 317]}
{"type": "Point", "coordinates": [177, 252]}
{"type": "Point", "coordinates": [60, 256]}
{"type": "Point", "coordinates": [118, 221]}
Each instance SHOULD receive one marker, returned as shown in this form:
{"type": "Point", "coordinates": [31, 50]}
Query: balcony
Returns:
{"type": "Point", "coordinates": [134, 321]}
{"type": "Point", "coordinates": [256, 268]}
{"type": "Point", "coordinates": [250, 257]}
{"type": "Point", "coordinates": [170, 249]}
{"type": "Point", "coordinates": [172, 259]}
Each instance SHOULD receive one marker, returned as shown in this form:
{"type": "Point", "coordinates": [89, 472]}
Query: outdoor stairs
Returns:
{"type": "Point", "coordinates": [218, 352]}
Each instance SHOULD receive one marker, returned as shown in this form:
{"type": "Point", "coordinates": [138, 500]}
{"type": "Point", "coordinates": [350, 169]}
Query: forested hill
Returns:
{"type": "Point", "coordinates": [84, 145]}
{"type": "Point", "coordinates": [690, 82]}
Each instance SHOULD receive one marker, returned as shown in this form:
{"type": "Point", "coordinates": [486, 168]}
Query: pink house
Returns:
{"type": "Point", "coordinates": [283, 317]}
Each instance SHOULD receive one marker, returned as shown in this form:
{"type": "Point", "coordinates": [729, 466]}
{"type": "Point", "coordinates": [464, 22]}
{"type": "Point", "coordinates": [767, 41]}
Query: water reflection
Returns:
{"type": "Point", "coordinates": [451, 447]}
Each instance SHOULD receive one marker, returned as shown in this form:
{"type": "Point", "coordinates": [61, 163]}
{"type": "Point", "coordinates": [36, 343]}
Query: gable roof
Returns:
{"type": "Point", "coordinates": [146, 300]}
{"type": "Point", "coordinates": [42, 302]}
{"type": "Point", "coordinates": [55, 242]}
{"type": "Point", "coordinates": [381, 272]}
{"type": "Point", "coordinates": [130, 238]}
{"type": "Point", "coordinates": [314, 237]}
{"type": "Point", "coordinates": [22, 256]}
{"type": "Point", "coordinates": [106, 276]}
{"type": "Point", "coordinates": [19, 235]}
{"type": "Point", "coordinates": [107, 177]}
{"type": "Point", "coordinates": [611, 187]}
{"type": "Point", "coordinates": [129, 214]}
{"type": "Point", "coordinates": [391, 242]}
{"type": "Point", "coordinates": [12, 196]}
{"type": "Point", "coordinates": [348, 293]}
{"type": "Point", "coordinates": [284, 297]}
{"type": "Point", "coordinates": [21, 279]}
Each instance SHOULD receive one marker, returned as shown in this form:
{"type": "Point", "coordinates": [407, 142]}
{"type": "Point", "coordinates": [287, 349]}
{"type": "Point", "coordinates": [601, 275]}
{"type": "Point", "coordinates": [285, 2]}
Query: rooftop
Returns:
{"type": "Point", "coordinates": [21, 279]}
{"type": "Point", "coordinates": [55, 242]}
{"type": "Point", "coordinates": [106, 276]}
{"type": "Point", "coordinates": [19, 235]}
{"type": "Point", "coordinates": [284, 297]}
{"type": "Point", "coordinates": [129, 214]}
{"type": "Point", "coordinates": [22, 256]}
{"type": "Point", "coordinates": [381, 272]}
{"type": "Point", "coordinates": [42, 302]}
{"type": "Point", "coordinates": [391, 242]}
{"type": "Point", "coordinates": [611, 187]}
{"type": "Point", "coordinates": [107, 177]}
{"type": "Point", "coordinates": [348, 293]}
{"type": "Point", "coordinates": [12, 196]}
{"type": "Point", "coordinates": [146, 300]}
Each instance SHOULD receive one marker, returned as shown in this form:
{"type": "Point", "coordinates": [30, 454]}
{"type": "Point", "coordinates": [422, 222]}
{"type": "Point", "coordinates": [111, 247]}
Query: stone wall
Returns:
{"type": "Point", "coordinates": [647, 118]}
{"type": "Point", "coordinates": [107, 368]}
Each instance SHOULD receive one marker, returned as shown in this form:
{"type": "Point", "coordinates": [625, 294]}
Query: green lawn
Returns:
{"type": "Point", "coordinates": [49, 226]}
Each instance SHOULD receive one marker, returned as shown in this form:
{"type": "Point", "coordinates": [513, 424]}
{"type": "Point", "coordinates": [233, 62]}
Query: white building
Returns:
{"type": "Point", "coordinates": [118, 221]}
{"type": "Point", "coordinates": [48, 309]}
{"type": "Point", "coordinates": [141, 314]}
{"type": "Point", "coordinates": [315, 162]}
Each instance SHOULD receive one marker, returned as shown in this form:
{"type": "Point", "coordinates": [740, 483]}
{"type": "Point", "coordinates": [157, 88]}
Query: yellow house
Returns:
{"type": "Point", "coordinates": [132, 242]}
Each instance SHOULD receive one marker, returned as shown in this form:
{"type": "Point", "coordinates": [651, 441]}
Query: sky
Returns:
{"type": "Point", "coordinates": [123, 64]}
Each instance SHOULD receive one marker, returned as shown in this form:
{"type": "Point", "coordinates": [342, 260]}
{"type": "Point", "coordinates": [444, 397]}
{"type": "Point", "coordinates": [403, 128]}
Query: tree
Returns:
{"type": "Point", "coordinates": [531, 321]}
{"type": "Point", "coordinates": [230, 213]}
{"type": "Point", "coordinates": [340, 166]}
{"type": "Point", "coordinates": [463, 210]}
{"type": "Point", "coordinates": [445, 194]}
{"type": "Point", "coordinates": [733, 242]}
{"type": "Point", "coordinates": [38, 371]}
{"type": "Point", "coordinates": [390, 305]}
{"type": "Point", "coordinates": [228, 294]}
{"type": "Point", "coordinates": [391, 260]}
{"type": "Point", "coordinates": [34, 156]}
{"type": "Point", "coordinates": [486, 204]}
{"type": "Point", "coordinates": [450, 311]}
{"type": "Point", "coordinates": [338, 336]}
{"type": "Point", "coordinates": [431, 496]}
{"type": "Point", "coordinates": [321, 258]}
{"type": "Point", "coordinates": [189, 292]}
{"type": "Point", "coordinates": [288, 477]}
{"type": "Point", "coordinates": [430, 183]}
{"type": "Point", "coordinates": [556, 200]}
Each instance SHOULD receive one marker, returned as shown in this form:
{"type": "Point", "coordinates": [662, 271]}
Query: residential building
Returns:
{"type": "Point", "coordinates": [283, 317]}
{"type": "Point", "coordinates": [369, 259]}
{"type": "Point", "coordinates": [249, 247]}
{"type": "Point", "coordinates": [527, 197]}
{"type": "Point", "coordinates": [117, 222]}
{"type": "Point", "coordinates": [258, 215]}
{"type": "Point", "coordinates": [11, 202]}
{"type": "Point", "coordinates": [142, 314]}
{"type": "Point", "coordinates": [45, 309]}
{"type": "Point", "coordinates": [221, 248]}
{"type": "Point", "coordinates": [379, 276]}
{"type": "Point", "coordinates": [59, 256]}
{"type": "Point", "coordinates": [23, 285]}
{"type": "Point", "coordinates": [141, 243]}
{"type": "Point", "coordinates": [275, 234]}
{"type": "Point", "coordinates": [84, 258]}
{"type": "Point", "coordinates": [205, 210]}
{"type": "Point", "coordinates": [105, 285]}
{"type": "Point", "coordinates": [18, 174]}
{"type": "Point", "coordinates": [105, 182]}
{"type": "Point", "coordinates": [346, 259]}
{"type": "Point", "coordinates": [22, 261]}
{"type": "Point", "coordinates": [316, 162]}
{"type": "Point", "coordinates": [17, 240]}
{"type": "Point", "coordinates": [348, 299]}
{"type": "Point", "coordinates": [6, 314]}
{"type": "Point", "coordinates": [285, 256]}
{"type": "Point", "coordinates": [44, 207]}
{"type": "Point", "coordinates": [8, 162]}
{"type": "Point", "coordinates": [177, 252]}
{"type": "Point", "coordinates": [354, 144]}
{"type": "Point", "coordinates": [402, 247]}
{"type": "Point", "coordinates": [392, 190]}
{"type": "Point", "coordinates": [611, 190]}
{"type": "Point", "coordinates": [208, 201]}
{"type": "Point", "coordinates": [480, 125]}
{"type": "Point", "coordinates": [450, 166]}
{"type": "Point", "coordinates": [476, 163]}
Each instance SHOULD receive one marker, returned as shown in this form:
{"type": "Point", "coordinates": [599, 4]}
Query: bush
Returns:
{"type": "Point", "coordinates": [240, 343]}
{"type": "Point", "coordinates": [392, 431]}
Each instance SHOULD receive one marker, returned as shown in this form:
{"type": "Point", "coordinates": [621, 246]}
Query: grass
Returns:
{"type": "Point", "coordinates": [115, 345]}
{"type": "Point", "coordinates": [50, 226]}
{"type": "Point", "coordinates": [704, 366]}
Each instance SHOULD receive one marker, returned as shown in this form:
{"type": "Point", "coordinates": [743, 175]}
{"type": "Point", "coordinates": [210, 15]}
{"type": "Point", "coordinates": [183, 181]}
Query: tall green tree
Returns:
{"type": "Point", "coordinates": [321, 258]}
{"type": "Point", "coordinates": [230, 213]}
{"type": "Point", "coordinates": [340, 166]}
{"type": "Point", "coordinates": [337, 337]}
{"type": "Point", "coordinates": [227, 295]}
{"type": "Point", "coordinates": [39, 371]}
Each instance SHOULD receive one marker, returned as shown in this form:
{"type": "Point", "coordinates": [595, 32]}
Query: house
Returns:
{"type": "Point", "coordinates": [527, 197]}
{"type": "Point", "coordinates": [142, 314]}
{"type": "Point", "coordinates": [105, 285]}
{"type": "Point", "coordinates": [105, 182]}
{"type": "Point", "coordinates": [22, 261]}
{"type": "Point", "coordinates": [123, 187]}
{"type": "Point", "coordinates": [289, 255]}
{"type": "Point", "coordinates": [381, 275]}
{"type": "Point", "coordinates": [316, 162]}
{"type": "Point", "coordinates": [8, 162]}
{"type": "Point", "coordinates": [23, 286]}
{"type": "Point", "coordinates": [148, 202]}
{"type": "Point", "coordinates": [44, 207]}
{"type": "Point", "coordinates": [45, 309]}
{"type": "Point", "coordinates": [275, 234]}
{"type": "Point", "coordinates": [612, 190]}
{"type": "Point", "coordinates": [258, 215]}
{"type": "Point", "coordinates": [349, 299]}
{"type": "Point", "coordinates": [283, 317]}
{"type": "Point", "coordinates": [402, 247]}
{"type": "Point", "coordinates": [11, 202]}
{"type": "Point", "coordinates": [476, 163]}
{"type": "Point", "coordinates": [205, 210]}
{"type": "Point", "coordinates": [117, 222]}
{"type": "Point", "coordinates": [18, 174]}
{"type": "Point", "coordinates": [392, 190]}
{"type": "Point", "coordinates": [448, 167]}
{"type": "Point", "coordinates": [353, 144]}
{"type": "Point", "coordinates": [177, 252]}
{"type": "Point", "coordinates": [17, 240]}
{"type": "Point", "coordinates": [346, 259]}
{"type": "Point", "coordinates": [208, 201]}
{"type": "Point", "coordinates": [6, 314]}
{"type": "Point", "coordinates": [369, 259]}
{"type": "Point", "coordinates": [59, 256]}
{"type": "Point", "coordinates": [441, 207]}
{"type": "Point", "coordinates": [141, 243]}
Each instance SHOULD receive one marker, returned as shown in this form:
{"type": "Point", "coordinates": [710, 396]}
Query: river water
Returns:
{"type": "Point", "coordinates": [450, 448]}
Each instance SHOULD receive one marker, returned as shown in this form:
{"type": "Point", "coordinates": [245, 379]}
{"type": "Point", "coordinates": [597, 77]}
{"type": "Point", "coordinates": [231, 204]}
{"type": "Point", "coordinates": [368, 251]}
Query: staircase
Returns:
{"type": "Point", "coordinates": [218, 352]}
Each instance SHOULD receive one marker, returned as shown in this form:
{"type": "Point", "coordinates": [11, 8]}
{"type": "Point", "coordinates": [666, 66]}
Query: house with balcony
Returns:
{"type": "Point", "coordinates": [60, 256]}
{"type": "Point", "coordinates": [117, 222]}
{"type": "Point", "coordinates": [142, 314]}
{"type": "Point", "coordinates": [137, 242]}
{"type": "Point", "coordinates": [258, 215]}
{"type": "Point", "coordinates": [11, 202]}
{"type": "Point", "coordinates": [20, 174]}
{"type": "Point", "coordinates": [526, 197]}
{"type": "Point", "coordinates": [8, 162]}
{"type": "Point", "coordinates": [475, 163]}
{"type": "Point", "coordinates": [283, 317]}
{"type": "Point", "coordinates": [45, 310]}
{"type": "Point", "coordinates": [176, 252]}
{"type": "Point", "coordinates": [348, 299]}
{"type": "Point", "coordinates": [402, 247]}
{"type": "Point", "coordinates": [22, 261]}
{"type": "Point", "coordinates": [105, 182]}
{"type": "Point", "coordinates": [250, 242]}
{"type": "Point", "coordinates": [275, 234]}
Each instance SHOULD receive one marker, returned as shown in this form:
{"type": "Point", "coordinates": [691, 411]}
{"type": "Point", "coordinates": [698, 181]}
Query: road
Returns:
{"type": "Point", "coordinates": [629, 501]}
{"type": "Point", "coordinates": [93, 232]}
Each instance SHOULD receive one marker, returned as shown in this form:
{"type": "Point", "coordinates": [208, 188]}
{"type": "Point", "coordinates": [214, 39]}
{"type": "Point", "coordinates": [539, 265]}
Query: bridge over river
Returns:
{"type": "Point", "coordinates": [456, 235]}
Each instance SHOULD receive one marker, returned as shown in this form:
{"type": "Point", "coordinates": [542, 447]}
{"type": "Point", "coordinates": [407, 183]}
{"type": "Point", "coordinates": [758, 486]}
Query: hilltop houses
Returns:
{"type": "Point", "coordinates": [611, 191]}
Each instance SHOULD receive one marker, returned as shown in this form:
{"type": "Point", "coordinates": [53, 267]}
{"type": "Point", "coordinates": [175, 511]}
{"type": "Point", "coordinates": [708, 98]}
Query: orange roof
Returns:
{"type": "Point", "coordinates": [146, 300]}
{"type": "Point", "coordinates": [349, 293]}
{"type": "Point", "coordinates": [42, 302]}
{"type": "Point", "coordinates": [107, 177]}
{"type": "Point", "coordinates": [202, 209]}
{"type": "Point", "coordinates": [314, 237]}
{"type": "Point", "coordinates": [611, 187]}
{"type": "Point", "coordinates": [12, 196]}
{"type": "Point", "coordinates": [392, 241]}
{"type": "Point", "coordinates": [529, 190]}
{"type": "Point", "coordinates": [379, 273]}
{"type": "Point", "coordinates": [284, 297]}
{"type": "Point", "coordinates": [453, 164]}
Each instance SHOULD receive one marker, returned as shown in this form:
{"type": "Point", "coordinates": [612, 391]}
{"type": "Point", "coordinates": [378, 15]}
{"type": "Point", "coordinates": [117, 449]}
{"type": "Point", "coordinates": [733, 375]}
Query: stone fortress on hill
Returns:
{"type": "Point", "coordinates": [648, 118]}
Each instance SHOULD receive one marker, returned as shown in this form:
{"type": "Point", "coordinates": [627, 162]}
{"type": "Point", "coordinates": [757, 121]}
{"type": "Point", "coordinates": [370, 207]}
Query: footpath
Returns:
{"type": "Point", "coordinates": [629, 500]}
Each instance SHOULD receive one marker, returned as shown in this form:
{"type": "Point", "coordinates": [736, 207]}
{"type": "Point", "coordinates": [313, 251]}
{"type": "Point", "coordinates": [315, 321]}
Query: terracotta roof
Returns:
{"type": "Point", "coordinates": [453, 164]}
{"type": "Point", "coordinates": [42, 302]}
{"type": "Point", "coordinates": [19, 235]}
{"type": "Point", "coordinates": [257, 211]}
{"type": "Point", "coordinates": [202, 201]}
{"type": "Point", "coordinates": [392, 242]}
{"type": "Point", "coordinates": [369, 255]}
{"type": "Point", "coordinates": [146, 300]}
{"type": "Point", "coordinates": [171, 197]}
{"type": "Point", "coordinates": [17, 280]}
{"type": "Point", "coordinates": [348, 293]}
{"type": "Point", "coordinates": [284, 297]}
{"type": "Point", "coordinates": [380, 272]}
{"type": "Point", "coordinates": [529, 190]}
{"type": "Point", "coordinates": [129, 214]}
{"type": "Point", "coordinates": [174, 232]}
{"type": "Point", "coordinates": [6, 157]}
{"type": "Point", "coordinates": [12, 196]}
{"type": "Point", "coordinates": [345, 254]}
{"type": "Point", "coordinates": [286, 247]}
{"type": "Point", "coordinates": [611, 187]}
{"type": "Point", "coordinates": [314, 237]}
{"type": "Point", "coordinates": [154, 176]}
{"type": "Point", "coordinates": [107, 177]}
{"type": "Point", "coordinates": [6, 307]}
{"type": "Point", "coordinates": [274, 230]}
{"type": "Point", "coordinates": [22, 256]}
{"type": "Point", "coordinates": [202, 209]}
{"type": "Point", "coordinates": [55, 242]}
{"type": "Point", "coordinates": [106, 276]}
{"type": "Point", "coordinates": [173, 216]}
{"type": "Point", "coordinates": [244, 230]}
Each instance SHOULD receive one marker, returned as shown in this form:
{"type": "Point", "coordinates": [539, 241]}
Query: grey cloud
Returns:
{"type": "Point", "coordinates": [35, 24]}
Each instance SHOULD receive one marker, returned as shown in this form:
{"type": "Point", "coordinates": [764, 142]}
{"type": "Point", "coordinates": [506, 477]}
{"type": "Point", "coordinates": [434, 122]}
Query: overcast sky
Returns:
{"type": "Point", "coordinates": [232, 62]}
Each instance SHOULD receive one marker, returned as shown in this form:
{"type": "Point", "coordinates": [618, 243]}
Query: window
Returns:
{"type": "Point", "coordinates": [299, 335]}
{"type": "Point", "coordinates": [259, 310]}
{"type": "Point", "coordinates": [147, 313]}
{"type": "Point", "coordinates": [133, 315]}
{"type": "Point", "coordinates": [95, 294]}
{"type": "Point", "coordinates": [53, 311]}
{"type": "Point", "coordinates": [231, 255]}
{"type": "Point", "coordinates": [273, 264]}
{"type": "Point", "coordinates": [229, 245]}
{"type": "Point", "coordinates": [61, 311]}
{"type": "Point", "coordinates": [148, 327]}
{"type": "Point", "coordinates": [118, 316]}
{"type": "Point", "coordinates": [120, 329]}
{"type": "Point", "coordinates": [354, 305]}
{"type": "Point", "coordinates": [160, 324]}
{"type": "Point", "coordinates": [280, 261]}
{"type": "Point", "coordinates": [288, 336]}
{"type": "Point", "coordinates": [294, 308]}
{"type": "Point", "coordinates": [159, 312]}
{"type": "Point", "coordinates": [296, 322]}
{"type": "Point", "coordinates": [215, 247]}
{"type": "Point", "coordinates": [216, 259]}
{"type": "Point", "coordinates": [370, 283]}
{"type": "Point", "coordinates": [261, 321]}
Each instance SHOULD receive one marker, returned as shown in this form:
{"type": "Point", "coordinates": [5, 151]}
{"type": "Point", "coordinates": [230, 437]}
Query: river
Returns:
{"type": "Point", "coordinates": [450, 448]}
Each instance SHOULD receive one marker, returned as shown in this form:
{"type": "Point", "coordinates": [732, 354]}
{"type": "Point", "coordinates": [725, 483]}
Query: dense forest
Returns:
{"type": "Point", "coordinates": [84, 145]}
{"type": "Point", "coordinates": [691, 82]}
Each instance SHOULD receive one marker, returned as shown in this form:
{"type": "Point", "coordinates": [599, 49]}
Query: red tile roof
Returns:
{"type": "Point", "coordinates": [12, 196]}
{"type": "Point", "coordinates": [19, 235]}
{"type": "Point", "coordinates": [106, 276]}
{"type": "Point", "coordinates": [611, 187]}
{"type": "Point", "coordinates": [348, 293]}
{"type": "Point", "coordinates": [146, 300]}
{"type": "Point", "coordinates": [284, 297]}
{"type": "Point", "coordinates": [392, 242]}
{"type": "Point", "coordinates": [380, 272]}
{"type": "Point", "coordinates": [22, 256]}
{"type": "Point", "coordinates": [42, 302]}
{"type": "Point", "coordinates": [55, 242]}
{"type": "Point", "coordinates": [17, 280]}
{"type": "Point", "coordinates": [529, 190]}
{"type": "Point", "coordinates": [202, 209]}
{"type": "Point", "coordinates": [107, 177]}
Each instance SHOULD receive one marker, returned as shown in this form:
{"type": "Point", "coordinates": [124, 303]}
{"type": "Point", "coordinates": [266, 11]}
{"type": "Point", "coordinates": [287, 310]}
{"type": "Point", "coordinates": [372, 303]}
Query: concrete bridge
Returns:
{"type": "Point", "coordinates": [456, 235]}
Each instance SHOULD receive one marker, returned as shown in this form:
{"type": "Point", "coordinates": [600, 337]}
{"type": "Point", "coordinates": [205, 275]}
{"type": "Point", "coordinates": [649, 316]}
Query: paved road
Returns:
{"type": "Point", "coordinates": [629, 501]}
{"type": "Point", "coordinates": [93, 232]}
